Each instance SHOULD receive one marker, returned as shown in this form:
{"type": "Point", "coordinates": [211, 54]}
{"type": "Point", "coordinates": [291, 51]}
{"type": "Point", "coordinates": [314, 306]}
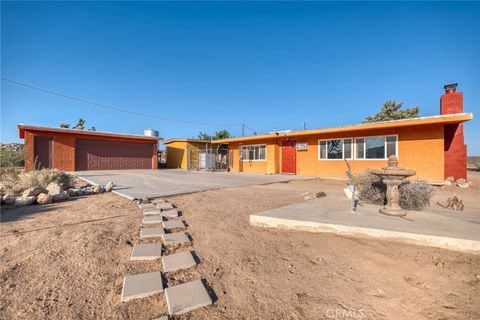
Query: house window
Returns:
{"type": "Point", "coordinates": [335, 149]}
{"type": "Point", "coordinates": [375, 147]}
{"type": "Point", "coordinates": [254, 152]}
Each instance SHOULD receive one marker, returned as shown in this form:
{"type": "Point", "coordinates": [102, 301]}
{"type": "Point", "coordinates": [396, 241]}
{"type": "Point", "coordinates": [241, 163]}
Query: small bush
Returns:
{"type": "Point", "coordinates": [415, 195]}
{"type": "Point", "coordinates": [15, 182]}
{"type": "Point", "coordinates": [370, 187]}
{"type": "Point", "coordinates": [12, 157]}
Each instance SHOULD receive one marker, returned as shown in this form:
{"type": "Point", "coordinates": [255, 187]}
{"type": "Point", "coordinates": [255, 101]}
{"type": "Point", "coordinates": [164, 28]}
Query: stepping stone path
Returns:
{"type": "Point", "coordinates": [173, 213]}
{"type": "Point", "coordinates": [146, 233]}
{"type": "Point", "coordinates": [146, 251]}
{"type": "Point", "coordinates": [175, 238]}
{"type": "Point", "coordinates": [152, 219]}
{"type": "Point", "coordinates": [177, 261]}
{"type": "Point", "coordinates": [187, 297]}
{"type": "Point", "coordinates": [181, 298]}
{"type": "Point", "coordinates": [173, 224]}
{"type": "Point", "coordinates": [141, 285]}
{"type": "Point", "coordinates": [164, 206]}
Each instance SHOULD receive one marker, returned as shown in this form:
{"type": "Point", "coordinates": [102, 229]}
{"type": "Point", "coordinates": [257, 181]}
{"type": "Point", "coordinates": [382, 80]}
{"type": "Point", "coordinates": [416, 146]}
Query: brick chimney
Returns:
{"type": "Point", "coordinates": [455, 150]}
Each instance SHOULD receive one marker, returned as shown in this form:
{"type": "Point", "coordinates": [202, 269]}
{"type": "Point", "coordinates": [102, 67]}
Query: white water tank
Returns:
{"type": "Point", "coordinates": [151, 133]}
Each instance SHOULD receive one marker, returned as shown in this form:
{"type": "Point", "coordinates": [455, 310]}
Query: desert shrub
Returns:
{"type": "Point", "coordinates": [370, 187]}
{"type": "Point", "coordinates": [42, 178]}
{"type": "Point", "coordinates": [415, 195]}
{"type": "Point", "coordinates": [15, 181]}
{"type": "Point", "coordinates": [12, 158]}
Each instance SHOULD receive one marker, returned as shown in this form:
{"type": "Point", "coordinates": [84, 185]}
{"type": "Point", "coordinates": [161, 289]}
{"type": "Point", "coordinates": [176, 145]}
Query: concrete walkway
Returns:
{"type": "Point", "coordinates": [432, 227]}
{"type": "Point", "coordinates": [168, 182]}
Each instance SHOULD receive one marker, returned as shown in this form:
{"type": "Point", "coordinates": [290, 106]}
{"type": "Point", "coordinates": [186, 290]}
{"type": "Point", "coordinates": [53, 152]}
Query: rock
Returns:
{"type": "Point", "coordinates": [19, 202]}
{"type": "Point", "coordinates": [44, 198]}
{"type": "Point", "coordinates": [35, 191]}
{"type": "Point", "coordinates": [144, 200]}
{"type": "Point", "coordinates": [79, 192]}
{"type": "Point", "coordinates": [8, 199]}
{"type": "Point", "coordinates": [54, 188]}
{"type": "Point", "coordinates": [87, 191]}
{"type": "Point", "coordinates": [453, 203]}
{"type": "Point", "coordinates": [72, 192]}
{"type": "Point", "coordinates": [98, 189]}
{"type": "Point", "coordinates": [109, 186]}
{"type": "Point", "coordinates": [449, 181]}
{"type": "Point", "coordinates": [313, 195]}
{"type": "Point", "coordinates": [60, 196]}
{"type": "Point", "coordinates": [462, 183]}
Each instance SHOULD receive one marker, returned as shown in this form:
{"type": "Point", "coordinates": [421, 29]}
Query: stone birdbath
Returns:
{"type": "Point", "coordinates": [393, 176]}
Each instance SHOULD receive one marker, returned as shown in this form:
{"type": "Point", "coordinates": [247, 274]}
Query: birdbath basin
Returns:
{"type": "Point", "coordinates": [393, 176]}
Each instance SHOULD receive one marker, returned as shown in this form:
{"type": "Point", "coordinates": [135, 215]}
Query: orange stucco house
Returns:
{"type": "Point", "coordinates": [433, 146]}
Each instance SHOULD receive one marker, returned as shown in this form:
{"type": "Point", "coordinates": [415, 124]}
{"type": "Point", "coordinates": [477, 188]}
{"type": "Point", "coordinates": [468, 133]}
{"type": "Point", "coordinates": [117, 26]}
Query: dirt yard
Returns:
{"type": "Point", "coordinates": [68, 260]}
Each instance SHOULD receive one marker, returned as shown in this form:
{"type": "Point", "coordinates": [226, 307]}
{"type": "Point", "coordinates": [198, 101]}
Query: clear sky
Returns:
{"type": "Point", "coordinates": [269, 65]}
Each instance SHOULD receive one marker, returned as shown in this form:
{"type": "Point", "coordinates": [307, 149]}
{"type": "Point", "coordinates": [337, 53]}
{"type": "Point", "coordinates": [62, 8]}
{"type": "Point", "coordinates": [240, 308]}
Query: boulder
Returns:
{"type": "Point", "coordinates": [449, 181]}
{"type": "Point", "coordinates": [462, 183]}
{"type": "Point", "coordinates": [313, 195]}
{"type": "Point", "coordinates": [44, 198]}
{"type": "Point", "coordinates": [109, 186]}
{"type": "Point", "coordinates": [72, 192]}
{"type": "Point", "coordinates": [60, 196]}
{"type": "Point", "coordinates": [35, 191]}
{"type": "Point", "coordinates": [19, 202]}
{"type": "Point", "coordinates": [98, 189]}
{"type": "Point", "coordinates": [8, 199]}
{"type": "Point", "coordinates": [79, 192]}
{"type": "Point", "coordinates": [54, 188]}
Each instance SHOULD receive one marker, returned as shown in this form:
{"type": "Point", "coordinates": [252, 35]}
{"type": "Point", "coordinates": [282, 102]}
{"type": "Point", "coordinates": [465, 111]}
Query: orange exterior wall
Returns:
{"type": "Point", "coordinates": [420, 148]}
{"type": "Point", "coordinates": [64, 148]}
{"type": "Point", "coordinates": [177, 155]}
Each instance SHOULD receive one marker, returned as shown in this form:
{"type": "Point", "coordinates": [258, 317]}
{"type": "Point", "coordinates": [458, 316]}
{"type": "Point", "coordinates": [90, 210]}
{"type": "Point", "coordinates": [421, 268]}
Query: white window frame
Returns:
{"type": "Point", "coordinates": [253, 145]}
{"type": "Point", "coordinates": [343, 149]}
{"type": "Point", "coordinates": [365, 147]}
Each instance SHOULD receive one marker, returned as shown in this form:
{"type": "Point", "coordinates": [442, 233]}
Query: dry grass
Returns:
{"type": "Point", "coordinates": [15, 180]}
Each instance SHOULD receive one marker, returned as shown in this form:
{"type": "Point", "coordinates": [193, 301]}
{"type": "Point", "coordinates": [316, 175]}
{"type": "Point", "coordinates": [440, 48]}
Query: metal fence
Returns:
{"type": "Point", "coordinates": [208, 158]}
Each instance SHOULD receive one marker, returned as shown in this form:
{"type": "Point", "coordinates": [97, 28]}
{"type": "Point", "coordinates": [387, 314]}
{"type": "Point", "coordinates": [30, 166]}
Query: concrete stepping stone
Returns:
{"type": "Point", "coordinates": [146, 233]}
{"type": "Point", "coordinates": [141, 285]}
{"type": "Point", "coordinates": [164, 206]}
{"type": "Point", "coordinates": [146, 251]}
{"type": "Point", "coordinates": [152, 219]}
{"type": "Point", "coordinates": [173, 224]}
{"type": "Point", "coordinates": [187, 297]}
{"type": "Point", "coordinates": [147, 212]}
{"type": "Point", "coordinates": [162, 318]}
{"type": "Point", "coordinates": [175, 238]}
{"type": "Point", "coordinates": [173, 213]}
{"type": "Point", "coordinates": [178, 261]}
{"type": "Point", "coordinates": [146, 205]}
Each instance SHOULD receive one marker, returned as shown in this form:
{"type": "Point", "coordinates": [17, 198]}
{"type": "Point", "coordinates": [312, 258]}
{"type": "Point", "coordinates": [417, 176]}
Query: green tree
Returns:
{"type": "Point", "coordinates": [391, 111]}
{"type": "Point", "coordinates": [65, 125]}
{"type": "Point", "coordinates": [222, 134]}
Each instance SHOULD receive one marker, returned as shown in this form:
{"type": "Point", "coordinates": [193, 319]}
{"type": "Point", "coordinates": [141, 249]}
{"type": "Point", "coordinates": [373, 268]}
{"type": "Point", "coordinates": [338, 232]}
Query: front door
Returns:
{"type": "Point", "coordinates": [43, 152]}
{"type": "Point", "coordinates": [289, 157]}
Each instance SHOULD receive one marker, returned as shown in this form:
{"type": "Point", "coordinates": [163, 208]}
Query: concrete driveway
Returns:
{"type": "Point", "coordinates": [168, 182]}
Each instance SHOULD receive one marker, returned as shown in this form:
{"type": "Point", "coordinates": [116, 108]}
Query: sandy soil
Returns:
{"type": "Point", "coordinates": [68, 260]}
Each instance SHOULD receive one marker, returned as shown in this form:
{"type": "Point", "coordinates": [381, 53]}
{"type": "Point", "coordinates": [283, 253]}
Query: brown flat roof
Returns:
{"type": "Point", "coordinates": [26, 127]}
{"type": "Point", "coordinates": [184, 140]}
{"type": "Point", "coordinates": [439, 119]}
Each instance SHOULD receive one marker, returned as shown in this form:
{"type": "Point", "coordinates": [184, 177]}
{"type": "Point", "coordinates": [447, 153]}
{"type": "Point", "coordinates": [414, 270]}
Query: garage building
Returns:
{"type": "Point", "coordinates": [77, 150]}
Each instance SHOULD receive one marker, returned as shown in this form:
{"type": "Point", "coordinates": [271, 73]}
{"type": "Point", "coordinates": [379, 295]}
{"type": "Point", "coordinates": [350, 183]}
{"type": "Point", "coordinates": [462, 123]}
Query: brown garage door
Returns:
{"type": "Point", "coordinates": [109, 155]}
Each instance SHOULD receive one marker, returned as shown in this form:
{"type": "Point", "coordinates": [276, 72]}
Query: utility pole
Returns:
{"type": "Point", "coordinates": [243, 129]}
{"type": "Point", "coordinates": [304, 125]}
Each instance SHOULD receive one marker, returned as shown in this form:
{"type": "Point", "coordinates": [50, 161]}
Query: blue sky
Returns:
{"type": "Point", "coordinates": [269, 65]}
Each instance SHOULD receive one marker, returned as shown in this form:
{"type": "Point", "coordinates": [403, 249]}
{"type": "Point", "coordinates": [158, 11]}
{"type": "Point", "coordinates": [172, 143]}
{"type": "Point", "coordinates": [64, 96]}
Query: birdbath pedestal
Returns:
{"type": "Point", "coordinates": [393, 176]}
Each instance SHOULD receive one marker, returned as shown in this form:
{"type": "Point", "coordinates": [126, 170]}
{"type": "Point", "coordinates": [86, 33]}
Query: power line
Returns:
{"type": "Point", "coordinates": [140, 114]}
